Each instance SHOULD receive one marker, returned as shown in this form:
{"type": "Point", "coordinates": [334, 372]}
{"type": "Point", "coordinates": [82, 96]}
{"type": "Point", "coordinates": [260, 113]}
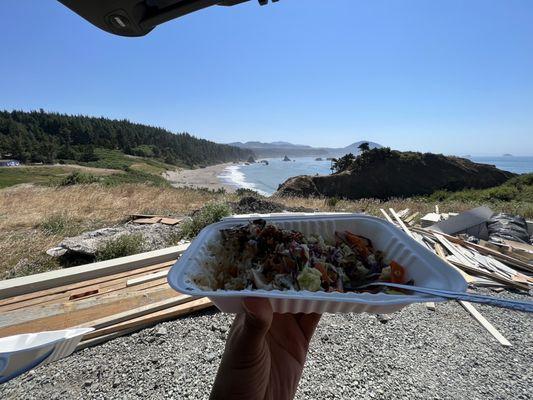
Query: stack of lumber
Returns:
{"type": "Point", "coordinates": [115, 297]}
{"type": "Point", "coordinates": [480, 265]}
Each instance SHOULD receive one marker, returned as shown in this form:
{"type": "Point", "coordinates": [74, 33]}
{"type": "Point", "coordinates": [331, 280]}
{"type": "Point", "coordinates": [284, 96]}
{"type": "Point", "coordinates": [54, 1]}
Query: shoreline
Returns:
{"type": "Point", "coordinates": [201, 178]}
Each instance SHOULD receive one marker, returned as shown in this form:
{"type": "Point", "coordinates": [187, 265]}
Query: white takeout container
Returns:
{"type": "Point", "coordinates": [20, 353]}
{"type": "Point", "coordinates": [423, 266]}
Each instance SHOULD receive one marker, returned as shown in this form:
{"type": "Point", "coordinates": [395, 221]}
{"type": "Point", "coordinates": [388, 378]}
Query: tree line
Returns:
{"type": "Point", "coordinates": [40, 136]}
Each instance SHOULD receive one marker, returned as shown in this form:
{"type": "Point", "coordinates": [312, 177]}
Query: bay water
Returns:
{"type": "Point", "coordinates": [265, 179]}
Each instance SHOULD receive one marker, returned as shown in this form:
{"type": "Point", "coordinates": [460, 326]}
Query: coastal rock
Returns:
{"type": "Point", "coordinates": [387, 174]}
{"type": "Point", "coordinates": [286, 158]}
{"type": "Point", "coordinates": [251, 160]}
{"type": "Point", "coordinates": [318, 159]}
{"type": "Point", "coordinates": [154, 236]}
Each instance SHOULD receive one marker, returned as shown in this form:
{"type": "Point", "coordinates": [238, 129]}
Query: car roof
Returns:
{"type": "Point", "coordinates": [139, 17]}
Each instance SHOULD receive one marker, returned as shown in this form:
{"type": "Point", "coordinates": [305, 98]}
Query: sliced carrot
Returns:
{"type": "Point", "coordinates": [397, 273]}
{"type": "Point", "coordinates": [362, 244]}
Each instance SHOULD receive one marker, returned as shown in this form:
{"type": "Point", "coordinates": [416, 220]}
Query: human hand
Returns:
{"type": "Point", "coordinates": [265, 353]}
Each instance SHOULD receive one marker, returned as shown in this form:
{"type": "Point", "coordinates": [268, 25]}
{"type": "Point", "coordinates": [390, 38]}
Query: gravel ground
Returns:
{"type": "Point", "coordinates": [412, 354]}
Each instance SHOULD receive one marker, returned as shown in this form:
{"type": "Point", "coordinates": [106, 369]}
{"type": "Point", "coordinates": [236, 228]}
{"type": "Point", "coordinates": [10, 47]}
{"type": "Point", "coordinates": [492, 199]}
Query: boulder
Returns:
{"type": "Point", "coordinates": [155, 236]}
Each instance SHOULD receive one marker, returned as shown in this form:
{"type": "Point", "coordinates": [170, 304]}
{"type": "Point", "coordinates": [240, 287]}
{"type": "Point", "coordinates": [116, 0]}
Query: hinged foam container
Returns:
{"type": "Point", "coordinates": [423, 266]}
{"type": "Point", "coordinates": [20, 353]}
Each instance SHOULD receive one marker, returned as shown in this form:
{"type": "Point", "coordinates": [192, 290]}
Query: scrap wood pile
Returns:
{"type": "Point", "coordinates": [124, 299]}
{"type": "Point", "coordinates": [499, 265]}
{"type": "Point", "coordinates": [150, 219]}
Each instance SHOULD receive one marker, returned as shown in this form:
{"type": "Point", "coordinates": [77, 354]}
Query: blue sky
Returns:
{"type": "Point", "coordinates": [448, 76]}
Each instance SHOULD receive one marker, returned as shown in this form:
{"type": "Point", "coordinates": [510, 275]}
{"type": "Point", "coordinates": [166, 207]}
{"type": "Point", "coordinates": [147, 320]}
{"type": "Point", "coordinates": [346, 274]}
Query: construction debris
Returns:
{"type": "Point", "coordinates": [115, 301]}
{"type": "Point", "coordinates": [472, 222]}
{"type": "Point", "coordinates": [503, 265]}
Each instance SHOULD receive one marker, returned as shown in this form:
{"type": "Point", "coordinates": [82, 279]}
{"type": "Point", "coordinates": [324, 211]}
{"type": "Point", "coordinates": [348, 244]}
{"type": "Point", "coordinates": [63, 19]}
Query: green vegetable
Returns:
{"type": "Point", "coordinates": [309, 279]}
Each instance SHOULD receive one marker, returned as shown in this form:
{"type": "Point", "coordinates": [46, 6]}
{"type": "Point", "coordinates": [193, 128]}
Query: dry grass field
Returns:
{"type": "Point", "coordinates": [25, 211]}
{"type": "Point", "coordinates": [34, 218]}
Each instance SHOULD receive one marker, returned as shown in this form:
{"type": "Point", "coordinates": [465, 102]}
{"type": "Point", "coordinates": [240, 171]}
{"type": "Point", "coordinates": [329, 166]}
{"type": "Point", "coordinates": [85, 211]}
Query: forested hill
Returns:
{"type": "Point", "coordinates": [40, 136]}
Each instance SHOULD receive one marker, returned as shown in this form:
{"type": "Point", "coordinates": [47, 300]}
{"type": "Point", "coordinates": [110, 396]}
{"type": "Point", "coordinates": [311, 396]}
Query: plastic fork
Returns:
{"type": "Point", "coordinates": [526, 306]}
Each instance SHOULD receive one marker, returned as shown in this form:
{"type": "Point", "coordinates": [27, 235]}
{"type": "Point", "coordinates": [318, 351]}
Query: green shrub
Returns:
{"type": "Point", "coordinates": [174, 238]}
{"type": "Point", "coordinates": [209, 214]}
{"type": "Point", "coordinates": [78, 178]}
{"type": "Point", "coordinates": [123, 246]}
{"type": "Point", "coordinates": [519, 188]}
{"type": "Point", "coordinates": [135, 176]}
{"type": "Point", "coordinates": [504, 193]}
{"type": "Point", "coordinates": [331, 202]}
{"type": "Point", "coordinates": [143, 151]}
{"type": "Point", "coordinates": [57, 224]}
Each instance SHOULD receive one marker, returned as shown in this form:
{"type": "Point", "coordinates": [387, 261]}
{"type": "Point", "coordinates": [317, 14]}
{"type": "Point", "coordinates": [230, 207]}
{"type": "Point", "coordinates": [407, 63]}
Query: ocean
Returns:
{"type": "Point", "coordinates": [265, 179]}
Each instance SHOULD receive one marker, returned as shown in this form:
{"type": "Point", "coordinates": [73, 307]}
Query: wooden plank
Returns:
{"type": "Point", "coordinates": [47, 280]}
{"type": "Point", "coordinates": [456, 252]}
{"type": "Point", "coordinates": [410, 219]}
{"type": "Point", "coordinates": [484, 323]}
{"type": "Point", "coordinates": [61, 316]}
{"type": "Point", "coordinates": [487, 274]}
{"type": "Point", "coordinates": [170, 221]}
{"type": "Point", "coordinates": [148, 221]}
{"type": "Point", "coordinates": [154, 318]}
{"type": "Point", "coordinates": [171, 314]}
{"type": "Point", "coordinates": [147, 278]}
{"type": "Point", "coordinates": [136, 312]}
{"type": "Point", "coordinates": [62, 292]}
{"type": "Point", "coordinates": [91, 282]}
{"type": "Point", "coordinates": [403, 213]}
{"type": "Point", "coordinates": [30, 314]}
{"type": "Point", "coordinates": [386, 215]}
{"type": "Point", "coordinates": [102, 289]}
{"type": "Point", "coordinates": [122, 288]}
{"type": "Point", "coordinates": [440, 252]}
{"type": "Point", "coordinates": [400, 222]}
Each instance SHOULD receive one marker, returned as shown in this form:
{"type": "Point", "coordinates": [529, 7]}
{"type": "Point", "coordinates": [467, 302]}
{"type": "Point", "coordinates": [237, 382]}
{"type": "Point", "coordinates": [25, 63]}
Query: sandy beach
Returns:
{"type": "Point", "coordinates": [200, 178]}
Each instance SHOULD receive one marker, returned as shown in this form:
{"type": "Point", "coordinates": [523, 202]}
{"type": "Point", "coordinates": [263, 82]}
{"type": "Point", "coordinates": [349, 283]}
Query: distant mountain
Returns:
{"type": "Point", "coordinates": [272, 145]}
{"type": "Point", "coordinates": [354, 147]}
{"type": "Point", "coordinates": [281, 149]}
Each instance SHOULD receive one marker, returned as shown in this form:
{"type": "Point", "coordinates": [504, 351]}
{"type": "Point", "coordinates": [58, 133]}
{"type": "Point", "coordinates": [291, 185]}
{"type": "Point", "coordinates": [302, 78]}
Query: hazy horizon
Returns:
{"type": "Point", "coordinates": [446, 77]}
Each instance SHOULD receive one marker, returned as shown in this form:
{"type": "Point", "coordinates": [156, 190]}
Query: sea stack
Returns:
{"type": "Point", "coordinates": [286, 158]}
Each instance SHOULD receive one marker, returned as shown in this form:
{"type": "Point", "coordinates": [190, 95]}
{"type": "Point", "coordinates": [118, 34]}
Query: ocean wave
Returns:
{"type": "Point", "coordinates": [234, 176]}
